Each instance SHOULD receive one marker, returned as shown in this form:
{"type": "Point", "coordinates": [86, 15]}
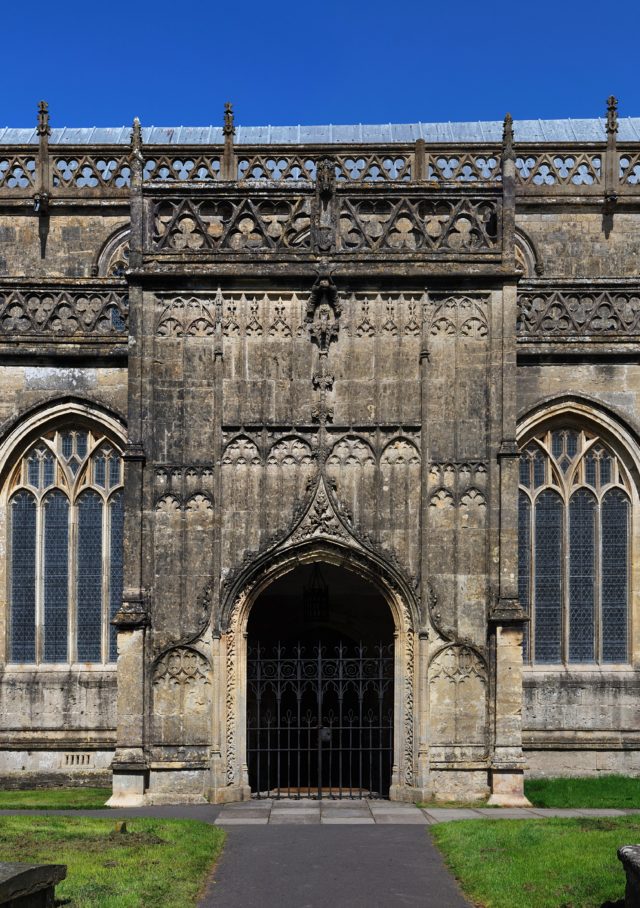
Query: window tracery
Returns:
{"type": "Point", "coordinates": [574, 548]}
{"type": "Point", "coordinates": [65, 537]}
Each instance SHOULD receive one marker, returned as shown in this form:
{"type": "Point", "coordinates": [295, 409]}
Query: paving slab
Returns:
{"type": "Point", "coordinates": [354, 821]}
{"type": "Point", "coordinates": [392, 808]}
{"type": "Point", "coordinates": [340, 866]}
{"type": "Point", "coordinates": [504, 813]}
{"type": "Point", "coordinates": [299, 819]}
{"type": "Point", "coordinates": [241, 821]}
{"type": "Point", "coordinates": [245, 814]}
{"type": "Point", "coordinates": [604, 812]}
{"type": "Point", "coordinates": [403, 818]}
{"type": "Point", "coordinates": [283, 808]}
{"type": "Point", "coordinates": [444, 814]}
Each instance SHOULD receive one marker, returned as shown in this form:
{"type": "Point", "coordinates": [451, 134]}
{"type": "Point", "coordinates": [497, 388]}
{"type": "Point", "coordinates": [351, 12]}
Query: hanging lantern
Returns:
{"type": "Point", "coordinates": [316, 597]}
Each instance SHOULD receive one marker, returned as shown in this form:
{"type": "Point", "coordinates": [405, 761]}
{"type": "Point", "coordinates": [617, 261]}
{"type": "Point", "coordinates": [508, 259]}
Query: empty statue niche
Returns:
{"type": "Point", "coordinates": [320, 687]}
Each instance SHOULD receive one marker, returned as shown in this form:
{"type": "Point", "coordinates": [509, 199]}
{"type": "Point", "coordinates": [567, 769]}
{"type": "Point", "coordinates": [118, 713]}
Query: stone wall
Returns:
{"type": "Point", "coordinates": [319, 356]}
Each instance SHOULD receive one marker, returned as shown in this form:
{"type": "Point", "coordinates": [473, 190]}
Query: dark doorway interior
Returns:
{"type": "Point", "coordinates": [320, 687]}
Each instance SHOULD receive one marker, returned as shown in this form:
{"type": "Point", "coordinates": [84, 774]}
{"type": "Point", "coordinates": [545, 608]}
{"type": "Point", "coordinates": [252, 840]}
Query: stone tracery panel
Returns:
{"type": "Point", "coordinates": [242, 520]}
{"type": "Point", "coordinates": [233, 224]}
{"type": "Point", "coordinates": [458, 704]}
{"type": "Point", "coordinates": [399, 503]}
{"type": "Point", "coordinates": [289, 468]}
{"type": "Point", "coordinates": [417, 225]}
{"type": "Point", "coordinates": [352, 466]}
{"type": "Point", "coordinates": [63, 313]}
{"type": "Point", "coordinates": [553, 313]}
{"type": "Point", "coordinates": [181, 690]}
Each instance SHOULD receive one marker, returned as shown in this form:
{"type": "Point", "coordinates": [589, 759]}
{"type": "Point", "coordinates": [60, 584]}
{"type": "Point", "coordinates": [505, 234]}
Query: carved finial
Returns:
{"type": "Point", "coordinates": [43, 119]}
{"type": "Point", "coordinates": [612, 115]}
{"type": "Point", "coordinates": [136, 136]}
{"type": "Point", "coordinates": [507, 136]}
{"type": "Point", "coordinates": [228, 129]}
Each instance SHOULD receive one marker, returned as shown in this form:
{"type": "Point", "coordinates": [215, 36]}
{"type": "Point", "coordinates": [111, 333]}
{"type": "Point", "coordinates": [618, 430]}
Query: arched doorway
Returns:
{"type": "Point", "coordinates": [320, 686]}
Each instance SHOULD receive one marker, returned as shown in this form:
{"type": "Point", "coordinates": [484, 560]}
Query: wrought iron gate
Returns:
{"type": "Point", "coordinates": [320, 720]}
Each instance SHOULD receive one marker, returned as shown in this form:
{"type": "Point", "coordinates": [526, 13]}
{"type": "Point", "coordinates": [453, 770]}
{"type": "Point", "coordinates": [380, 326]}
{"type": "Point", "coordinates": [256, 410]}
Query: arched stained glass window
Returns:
{"type": "Point", "coordinates": [65, 548]}
{"type": "Point", "coordinates": [574, 507]}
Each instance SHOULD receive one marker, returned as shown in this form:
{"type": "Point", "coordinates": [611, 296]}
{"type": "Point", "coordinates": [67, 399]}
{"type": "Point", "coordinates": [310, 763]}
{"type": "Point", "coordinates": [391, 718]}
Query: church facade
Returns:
{"type": "Point", "coordinates": [319, 458]}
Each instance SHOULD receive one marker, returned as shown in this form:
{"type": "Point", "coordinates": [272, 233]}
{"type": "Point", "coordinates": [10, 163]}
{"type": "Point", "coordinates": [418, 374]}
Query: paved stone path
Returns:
{"type": "Point", "coordinates": [369, 813]}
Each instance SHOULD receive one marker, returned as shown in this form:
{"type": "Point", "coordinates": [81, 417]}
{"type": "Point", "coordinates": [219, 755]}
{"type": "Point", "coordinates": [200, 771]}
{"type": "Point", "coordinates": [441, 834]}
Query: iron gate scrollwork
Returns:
{"type": "Point", "coordinates": [320, 720]}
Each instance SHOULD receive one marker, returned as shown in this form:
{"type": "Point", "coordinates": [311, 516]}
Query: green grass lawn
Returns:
{"type": "Point", "coordinates": [155, 864]}
{"type": "Point", "coordinates": [55, 799]}
{"type": "Point", "coordinates": [599, 791]}
{"type": "Point", "coordinates": [554, 863]}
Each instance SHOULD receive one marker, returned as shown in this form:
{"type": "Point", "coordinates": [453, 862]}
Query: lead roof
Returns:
{"type": "Point", "coordinates": [476, 132]}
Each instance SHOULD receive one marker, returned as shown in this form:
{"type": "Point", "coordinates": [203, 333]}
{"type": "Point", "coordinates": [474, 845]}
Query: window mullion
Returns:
{"type": "Point", "coordinates": [598, 583]}
{"type": "Point", "coordinates": [39, 616]}
{"type": "Point", "coordinates": [73, 582]}
{"type": "Point", "coordinates": [532, 576]}
{"type": "Point", "coordinates": [564, 590]}
{"type": "Point", "coordinates": [106, 578]}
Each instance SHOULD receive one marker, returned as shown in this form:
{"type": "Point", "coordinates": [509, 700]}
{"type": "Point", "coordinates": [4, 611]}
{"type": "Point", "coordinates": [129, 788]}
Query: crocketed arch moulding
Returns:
{"type": "Point", "coordinates": [235, 617]}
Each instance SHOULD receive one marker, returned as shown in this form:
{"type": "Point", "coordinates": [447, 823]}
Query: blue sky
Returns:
{"type": "Point", "coordinates": [174, 63]}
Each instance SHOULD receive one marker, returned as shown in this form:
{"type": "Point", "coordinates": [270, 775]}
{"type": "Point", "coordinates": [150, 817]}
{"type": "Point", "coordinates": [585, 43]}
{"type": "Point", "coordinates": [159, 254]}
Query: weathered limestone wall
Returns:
{"type": "Point", "coordinates": [27, 386]}
{"type": "Point", "coordinates": [57, 726]}
{"type": "Point", "coordinates": [578, 244]}
{"type": "Point", "coordinates": [614, 386]}
{"type": "Point", "coordinates": [67, 245]}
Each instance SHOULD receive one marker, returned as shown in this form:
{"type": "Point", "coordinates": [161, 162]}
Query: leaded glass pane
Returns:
{"type": "Point", "coordinates": [582, 576]}
{"type": "Point", "coordinates": [571, 444]}
{"type": "Point", "coordinates": [33, 471]}
{"type": "Point", "coordinates": [590, 467]}
{"type": "Point", "coordinates": [49, 470]}
{"type": "Point", "coordinates": [548, 577]}
{"type": "Point", "coordinates": [114, 471]}
{"type": "Point", "coordinates": [615, 570]}
{"type": "Point", "coordinates": [56, 577]}
{"type": "Point", "coordinates": [67, 445]}
{"type": "Point", "coordinates": [81, 445]}
{"type": "Point", "coordinates": [100, 471]}
{"type": "Point", "coordinates": [524, 561]}
{"type": "Point", "coordinates": [605, 470]}
{"type": "Point", "coordinates": [539, 469]}
{"type": "Point", "coordinates": [89, 581]}
{"type": "Point", "coordinates": [116, 575]}
{"type": "Point", "coordinates": [525, 470]}
{"type": "Point", "coordinates": [23, 578]}
{"type": "Point", "coordinates": [557, 444]}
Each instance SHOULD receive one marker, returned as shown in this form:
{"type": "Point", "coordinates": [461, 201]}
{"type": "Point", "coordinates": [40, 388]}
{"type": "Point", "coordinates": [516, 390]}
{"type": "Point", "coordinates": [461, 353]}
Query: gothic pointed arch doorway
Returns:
{"type": "Point", "coordinates": [320, 686]}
